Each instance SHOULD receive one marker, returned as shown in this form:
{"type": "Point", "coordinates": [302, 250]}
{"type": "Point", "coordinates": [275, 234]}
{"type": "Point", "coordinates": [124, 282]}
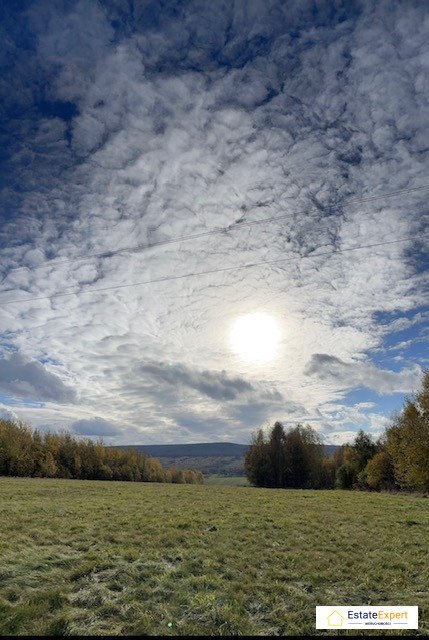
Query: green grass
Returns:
{"type": "Point", "coordinates": [80, 557]}
{"type": "Point", "coordinates": [226, 481]}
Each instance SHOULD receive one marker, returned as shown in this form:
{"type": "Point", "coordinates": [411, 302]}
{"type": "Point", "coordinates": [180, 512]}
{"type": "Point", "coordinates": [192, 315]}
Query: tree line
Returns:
{"type": "Point", "coordinates": [27, 452]}
{"type": "Point", "coordinates": [397, 461]}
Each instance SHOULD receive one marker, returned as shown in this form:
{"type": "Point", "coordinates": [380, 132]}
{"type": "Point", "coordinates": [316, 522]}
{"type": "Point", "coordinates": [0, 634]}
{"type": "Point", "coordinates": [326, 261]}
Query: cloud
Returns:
{"type": "Point", "coordinates": [21, 378]}
{"type": "Point", "coordinates": [7, 414]}
{"type": "Point", "coordinates": [95, 427]}
{"type": "Point", "coordinates": [214, 384]}
{"type": "Point", "coordinates": [131, 124]}
{"type": "Point", "coordinates": [349, 375]}
{"type": "Point", "coordinates": [257, 412]}
{"type": "Point", "coordinates": [339, 422]}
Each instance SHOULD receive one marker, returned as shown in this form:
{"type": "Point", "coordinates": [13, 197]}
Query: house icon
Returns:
{"type": "Point", "coordinates": [335, 619]}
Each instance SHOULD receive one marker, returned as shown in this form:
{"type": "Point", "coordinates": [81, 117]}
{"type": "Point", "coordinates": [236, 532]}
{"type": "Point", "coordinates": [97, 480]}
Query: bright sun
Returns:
{"type": "Point", "coordinates": [255, 337]}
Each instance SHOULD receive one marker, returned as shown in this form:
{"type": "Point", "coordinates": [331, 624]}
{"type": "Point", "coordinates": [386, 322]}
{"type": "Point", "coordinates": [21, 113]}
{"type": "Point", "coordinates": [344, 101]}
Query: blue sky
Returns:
{"type": "Point", "coordinates": [131, 124]}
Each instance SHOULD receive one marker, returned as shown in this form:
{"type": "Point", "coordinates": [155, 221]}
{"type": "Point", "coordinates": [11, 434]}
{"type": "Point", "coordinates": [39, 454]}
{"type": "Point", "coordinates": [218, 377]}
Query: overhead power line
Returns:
{"type": "Point", "coordinates": [249, 265]}
{"type": "Point", "coordinates": [203, 234]}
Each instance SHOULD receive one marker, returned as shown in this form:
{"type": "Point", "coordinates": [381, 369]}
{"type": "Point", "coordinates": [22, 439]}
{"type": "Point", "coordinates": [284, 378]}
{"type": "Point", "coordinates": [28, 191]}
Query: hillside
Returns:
{"type": "Point", "coordinates": [202, 449]}
{"type": "Point", "coordinates": [220, 458]}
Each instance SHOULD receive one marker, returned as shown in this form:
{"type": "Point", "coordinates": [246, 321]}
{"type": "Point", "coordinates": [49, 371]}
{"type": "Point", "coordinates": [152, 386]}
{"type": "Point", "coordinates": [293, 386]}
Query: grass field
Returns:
{"type": "Point", "coordinates": [80, 557]}
{"type": "Point", "coordinates": [226, 481]}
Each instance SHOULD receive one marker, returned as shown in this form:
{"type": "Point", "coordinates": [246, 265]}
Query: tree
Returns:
{"type": "Point", "coordinates": [327, 473]}
{"type": "Point", "coordinates": [407, 442]}
{"type": "Point", "coordinates": [304, 457]}
{"type": "Point", "coordinates": [277, 456]}
{"type": "Point", "coordinates": [285, 459]}
{"type": "Point", "coordinates": [362, 450]}
{"type": "Point", "coordinates": [351, 474]}
{"type": "Point", "coordinates": [48, 467]}
{"type": "Point", "coordinates": [422, 397]}
{"type": "Point", "coordinates": [199, 477]}
{"type": "Point", "coordinates": [26, 452]}
{"type": "Point", "coordinates": [177, 476]}
{"type": "Point", "coordinates": [257, 462]}
{"type": "Point", "coordinates": [380, 473]}
{"type": "Point", "coordinates": [345, 477]}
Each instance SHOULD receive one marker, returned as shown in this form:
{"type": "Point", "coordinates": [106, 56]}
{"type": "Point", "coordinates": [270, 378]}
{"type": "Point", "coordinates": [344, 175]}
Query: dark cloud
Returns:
{"type": "Point", "coordinates": [214, 384]}
{"type": "Point", "coordinates": [28, 379]}
{"type": "Point", "coordinates": [196, 424]}
{"type": "Point", "coordinates": [95, 427]}
{"type": "Point", "coordinates": [258, 412]}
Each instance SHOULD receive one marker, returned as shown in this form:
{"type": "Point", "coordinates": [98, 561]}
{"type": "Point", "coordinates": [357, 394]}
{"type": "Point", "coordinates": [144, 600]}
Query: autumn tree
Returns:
{"type": "Point", "coordinates": [380, 472]}
{"type": "Point", "coordinates": [407, 441]}
{"type": "Point", "coordinates": [27, 452]}
{"type": "Point", "coordinates": [351, 474]}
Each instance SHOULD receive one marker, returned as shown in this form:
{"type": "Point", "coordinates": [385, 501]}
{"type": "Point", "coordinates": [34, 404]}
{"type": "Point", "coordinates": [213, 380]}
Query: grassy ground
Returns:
{"type": "Point", "coordinates": [226, 481]}
{"type": "Point", "coordinates": [133, 559]}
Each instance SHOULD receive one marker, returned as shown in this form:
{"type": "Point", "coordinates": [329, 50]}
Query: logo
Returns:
{"type": "Point", "coordinates": [379, 617]}
{"type": "Point", "coordinates": [335, 619]}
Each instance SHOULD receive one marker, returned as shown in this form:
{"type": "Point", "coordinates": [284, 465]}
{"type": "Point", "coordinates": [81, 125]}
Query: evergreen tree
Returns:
{"type": "Point", "coordinates": [285, 459]}
{"type": "Point", "coordinates": [257, 464]}
{"type": "Point", "coordinates": [277, 456]}
{"type": "Point", "coordinates": [304, 458]}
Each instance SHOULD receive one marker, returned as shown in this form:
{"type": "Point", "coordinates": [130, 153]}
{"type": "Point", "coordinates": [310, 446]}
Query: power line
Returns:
{"type": "Point", "coordinates": [202, 273]}
{"type": "Point", "coordinates": [204, 234]}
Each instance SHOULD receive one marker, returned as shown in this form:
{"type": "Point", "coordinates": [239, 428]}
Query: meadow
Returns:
{"type": "Point", "coordinates": [105, 558]}
{"type": "Point", "coordinates": [226, 481]}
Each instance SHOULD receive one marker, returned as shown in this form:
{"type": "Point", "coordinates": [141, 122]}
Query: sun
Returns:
{"type": "Point", "coordinates": [255, 337]}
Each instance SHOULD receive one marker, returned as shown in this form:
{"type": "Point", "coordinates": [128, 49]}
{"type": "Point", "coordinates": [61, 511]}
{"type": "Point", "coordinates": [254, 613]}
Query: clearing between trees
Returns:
{"type": "Point", "coordinates": [91, 557]}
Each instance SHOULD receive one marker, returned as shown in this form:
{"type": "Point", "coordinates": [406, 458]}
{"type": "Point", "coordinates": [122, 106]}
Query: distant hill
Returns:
{"type": "Point", "coordinates": [220, 458]}
{"type": "Point", "coordinates": [203, 449]}
{"type": "Point", "coordinates": [331, 449]}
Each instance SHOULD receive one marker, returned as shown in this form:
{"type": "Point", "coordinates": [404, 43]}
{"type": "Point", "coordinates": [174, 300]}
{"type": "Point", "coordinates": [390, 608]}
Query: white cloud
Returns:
{"type": "Point", "coordinates": [187, 122]}
{"type": "Point", "coordinates": [355, 374]}
{"type": "Point", "coordinates": [7, 414]}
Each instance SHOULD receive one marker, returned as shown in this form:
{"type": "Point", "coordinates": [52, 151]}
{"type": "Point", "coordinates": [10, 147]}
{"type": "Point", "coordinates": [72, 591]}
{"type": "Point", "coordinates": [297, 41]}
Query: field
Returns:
{"type": "Point", "coordinates": [227, 481]}
{"type": "Point", "coordinates": [80, 557]}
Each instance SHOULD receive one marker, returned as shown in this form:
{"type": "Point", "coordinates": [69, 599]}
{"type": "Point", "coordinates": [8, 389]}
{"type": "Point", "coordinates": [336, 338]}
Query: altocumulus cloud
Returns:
{"type": "Point", "coordinates": [133, 123]}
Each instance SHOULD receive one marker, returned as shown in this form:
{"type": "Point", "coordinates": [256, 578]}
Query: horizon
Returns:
{"type": "Point", "coordinates": [188, 444]}
{"type": "Point", "coordinates": [212, 218]}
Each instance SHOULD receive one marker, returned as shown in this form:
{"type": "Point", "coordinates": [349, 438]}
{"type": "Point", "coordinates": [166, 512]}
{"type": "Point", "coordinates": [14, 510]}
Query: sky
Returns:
{"type": "Point", "coordinates": [168, 168]}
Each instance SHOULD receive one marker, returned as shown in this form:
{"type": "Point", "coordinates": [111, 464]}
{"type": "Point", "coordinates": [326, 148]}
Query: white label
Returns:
{"type": "Point", "coordinates": [379, 617]}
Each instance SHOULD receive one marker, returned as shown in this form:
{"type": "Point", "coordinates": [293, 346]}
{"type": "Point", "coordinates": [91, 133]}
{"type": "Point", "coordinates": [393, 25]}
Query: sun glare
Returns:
{"type": "Point", "coordinates": [255, 337]}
